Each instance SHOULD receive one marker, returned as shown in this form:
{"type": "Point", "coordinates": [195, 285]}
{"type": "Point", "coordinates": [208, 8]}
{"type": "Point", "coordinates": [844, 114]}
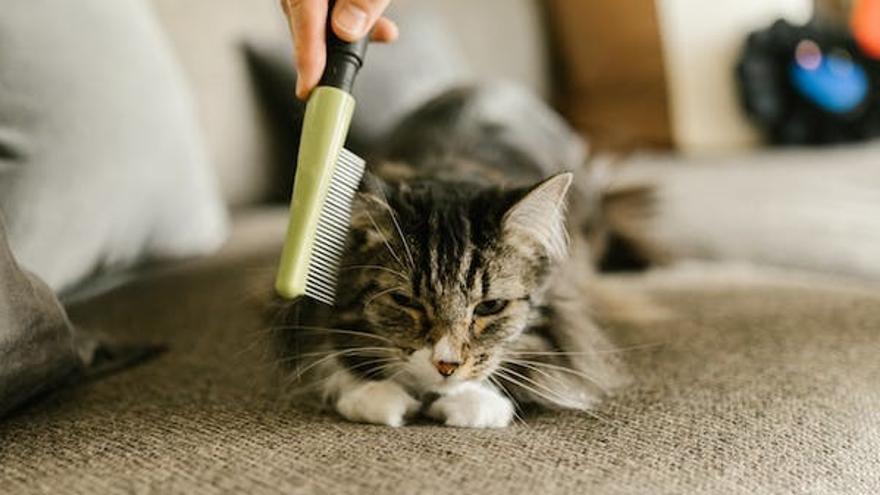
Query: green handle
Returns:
{"type": "Point", "coordinates": [325, 127]}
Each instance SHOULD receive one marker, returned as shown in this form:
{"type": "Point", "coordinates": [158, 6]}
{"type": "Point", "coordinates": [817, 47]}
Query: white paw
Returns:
{"type": "Point", "coordinates": [473, 406]}
{"type": "Point", "coordinates": [378, 402]}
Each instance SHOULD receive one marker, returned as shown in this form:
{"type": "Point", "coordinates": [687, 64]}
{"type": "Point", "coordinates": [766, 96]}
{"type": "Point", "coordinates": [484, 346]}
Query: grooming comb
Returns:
{"type": "Point", "coordinates": [327, 177]}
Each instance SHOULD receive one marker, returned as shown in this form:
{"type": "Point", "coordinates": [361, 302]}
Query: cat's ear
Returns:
{"type": "Point", "coordinates": [540, 215]}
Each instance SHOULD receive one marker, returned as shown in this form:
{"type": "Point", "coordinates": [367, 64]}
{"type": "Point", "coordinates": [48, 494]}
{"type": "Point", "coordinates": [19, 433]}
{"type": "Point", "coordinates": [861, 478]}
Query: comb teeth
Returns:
{"type": "Point", "coordinates": [332, 230]}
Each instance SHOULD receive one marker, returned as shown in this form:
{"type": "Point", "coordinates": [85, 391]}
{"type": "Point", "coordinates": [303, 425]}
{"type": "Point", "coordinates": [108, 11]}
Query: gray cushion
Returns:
{"type": "Point", "coordinates": [812, 209]}
{"type": "Point", "coordinates": [753, 384]}
{"type": "Point", "coordinates": [37, 343]}
{"type": "Point", "coordinates": [39, 348]}
{"type": "Point", "coordinates": [101, 163]}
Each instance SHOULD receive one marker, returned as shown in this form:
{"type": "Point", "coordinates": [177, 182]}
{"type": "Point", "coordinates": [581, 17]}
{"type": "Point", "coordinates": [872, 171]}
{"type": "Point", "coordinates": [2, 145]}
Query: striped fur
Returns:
{"type": "Point", "coordinates": [454, 223]}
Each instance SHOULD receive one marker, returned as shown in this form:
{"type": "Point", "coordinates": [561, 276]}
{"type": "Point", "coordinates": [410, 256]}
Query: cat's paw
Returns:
{"type": "Point", "coordinates": [378, 402]}
{"type": "Point", "coordinates": [473, 406]}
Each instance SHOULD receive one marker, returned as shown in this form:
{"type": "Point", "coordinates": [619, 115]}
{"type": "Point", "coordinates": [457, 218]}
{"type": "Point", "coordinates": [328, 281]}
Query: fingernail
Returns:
{"type": "Point", "coordinates": [352, 20]}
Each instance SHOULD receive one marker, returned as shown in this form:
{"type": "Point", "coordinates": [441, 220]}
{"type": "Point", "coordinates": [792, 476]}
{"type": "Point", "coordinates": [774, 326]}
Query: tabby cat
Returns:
{"type": "Point", "coordinates": [461, 296]}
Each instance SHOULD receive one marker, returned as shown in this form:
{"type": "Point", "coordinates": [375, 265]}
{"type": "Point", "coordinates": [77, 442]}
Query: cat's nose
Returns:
{"type": "Point", "coordinates": [446, 368]}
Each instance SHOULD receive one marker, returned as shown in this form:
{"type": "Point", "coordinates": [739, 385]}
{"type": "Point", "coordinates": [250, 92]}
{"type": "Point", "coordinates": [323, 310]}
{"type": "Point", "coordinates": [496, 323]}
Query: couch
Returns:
{"type": "Point", "coordinates": [752, 380]}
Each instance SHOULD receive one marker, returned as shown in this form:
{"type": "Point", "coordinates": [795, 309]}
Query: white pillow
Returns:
{"type": "Point", "coordinates": [101, 161]}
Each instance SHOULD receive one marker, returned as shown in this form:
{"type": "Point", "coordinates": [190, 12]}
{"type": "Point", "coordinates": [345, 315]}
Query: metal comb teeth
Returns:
{"type": "Point", "coordinates": [332, 229]}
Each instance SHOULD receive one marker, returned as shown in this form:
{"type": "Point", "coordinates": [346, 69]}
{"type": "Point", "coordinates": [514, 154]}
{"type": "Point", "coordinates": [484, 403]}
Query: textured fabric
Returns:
{"type": "Point", "coordinates": [752, 384]}
{"type": "Point", "coordinates": [101, 163]}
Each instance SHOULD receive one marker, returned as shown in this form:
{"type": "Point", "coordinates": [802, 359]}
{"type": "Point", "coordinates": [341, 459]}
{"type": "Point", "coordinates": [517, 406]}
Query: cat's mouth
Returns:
{"type": "Point", "coordinates": [421, 374]}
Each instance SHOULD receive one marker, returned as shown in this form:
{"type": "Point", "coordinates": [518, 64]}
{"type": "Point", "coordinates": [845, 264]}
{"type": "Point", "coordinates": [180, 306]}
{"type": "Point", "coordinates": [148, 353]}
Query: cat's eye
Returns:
{"type": "Point", "coordinates": [490, 307]}
{"type": "Point", "coordinates": [404, 300]}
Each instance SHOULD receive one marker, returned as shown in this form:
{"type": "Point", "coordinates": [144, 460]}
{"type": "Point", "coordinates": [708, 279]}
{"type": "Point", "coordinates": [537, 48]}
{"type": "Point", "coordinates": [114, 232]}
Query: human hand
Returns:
{"type": "Point", "coordinates": [352, 20]}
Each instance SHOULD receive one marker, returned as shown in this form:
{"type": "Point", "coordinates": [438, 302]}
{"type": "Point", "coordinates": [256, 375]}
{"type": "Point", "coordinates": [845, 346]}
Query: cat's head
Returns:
{"type": "Point", "coordinates": [450, 274]}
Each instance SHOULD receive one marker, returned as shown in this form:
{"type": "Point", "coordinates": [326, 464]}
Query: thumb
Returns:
{"type": "Point", "coordinates": [352, 19]}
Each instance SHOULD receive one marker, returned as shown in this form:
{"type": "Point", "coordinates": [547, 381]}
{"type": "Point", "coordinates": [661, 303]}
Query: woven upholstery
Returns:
{"type": "Point", "coordinates": [751, 386]}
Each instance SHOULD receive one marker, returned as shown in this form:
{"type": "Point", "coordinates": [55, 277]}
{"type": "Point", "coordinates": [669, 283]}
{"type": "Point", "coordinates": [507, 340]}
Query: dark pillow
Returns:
{"type": "Point", "coordinates": [39, 348]}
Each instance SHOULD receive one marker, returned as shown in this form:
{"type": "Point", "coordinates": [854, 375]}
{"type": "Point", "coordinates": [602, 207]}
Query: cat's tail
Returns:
{"type": "Point", "coordinates": [616, 219]}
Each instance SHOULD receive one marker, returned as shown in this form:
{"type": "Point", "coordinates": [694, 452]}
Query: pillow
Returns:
{"type": "Point", "coordinates": [39, 348]}
{"type": "Point", "coordinates": [101, 162]}
{"type": "Point", "coordinates": [37, 344]}
{"type": "Point", "coordinates": [804, 208]}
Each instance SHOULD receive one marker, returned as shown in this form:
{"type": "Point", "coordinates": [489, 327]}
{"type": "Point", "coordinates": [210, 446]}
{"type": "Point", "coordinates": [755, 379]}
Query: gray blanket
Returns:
{"type": "Point", "coordinates": [39, 347]}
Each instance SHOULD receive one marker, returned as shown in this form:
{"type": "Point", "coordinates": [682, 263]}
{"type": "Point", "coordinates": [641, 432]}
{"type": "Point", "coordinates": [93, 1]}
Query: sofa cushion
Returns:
{"type": "Point", "coordinates": [37, 342]}
{"type": "Point", "coordinates": [101, 162]}
{"type": "Point", "coordinates": [810, 209]}
{"type": "Point", "coordinates": [754, 383]}
{"type": "Point", "coordinates": [39, 348]}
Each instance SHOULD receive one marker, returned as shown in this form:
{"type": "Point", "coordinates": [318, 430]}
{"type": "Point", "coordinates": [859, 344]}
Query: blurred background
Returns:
{"type": "Point", "coordinates": [753, 118]}
{"type": "Point", "coordinates": [627, 75]}
{"type": "Point", "coordinates": [147, 121]}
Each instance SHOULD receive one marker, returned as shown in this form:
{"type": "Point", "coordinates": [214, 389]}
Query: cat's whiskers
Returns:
{"type": "Point", "coordinates": [327, 357]}
{"type": "Point", "coordinates": [296, 375]}
{"type": "Point", "coordinates": [384, 239]}
{"type": "Point", "coordinates": [557, 397]}
{"type": "Point", "coordinates": [295, 385]}
{"type": "Point", "coordinates": [535, 364]}
{"type": "Point", "coordinates": [387, 205]}
{"type": "Point", "coordinates": [502, 374]}
{"type": "Point", "coordinates": [348, 350]}
{"type": "Point", "coordinates": [556, 379]}
{"type": "Point", "coordinates": [412, 262]}
{"type": "Point", "coordinates": [559, 381]}
{"type": "Point", "coordinates": [387, 366]}
{"type": "Point", "coordinates": [380, 294]}
{"type": "Point", "coordinates": [380, 366]}
{"type": "Point", "coordinates": [322, 330]}
{"type": "Point", "coordinates": [587, 353]}
{"type": "Point", "coordinates": [374, 267]}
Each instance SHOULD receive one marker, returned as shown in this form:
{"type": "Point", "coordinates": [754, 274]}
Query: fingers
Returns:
{"type": "Point", "coordinates": [385, 31]}
{"type": "Point", "coordinates": [307, 21]}
{"type": "Point", "coordinates": [352, 19]}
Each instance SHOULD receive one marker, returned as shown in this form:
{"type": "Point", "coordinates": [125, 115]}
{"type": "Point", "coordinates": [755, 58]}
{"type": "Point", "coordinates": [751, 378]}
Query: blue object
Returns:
{"type": "Point", "coordinates": [837, 85]}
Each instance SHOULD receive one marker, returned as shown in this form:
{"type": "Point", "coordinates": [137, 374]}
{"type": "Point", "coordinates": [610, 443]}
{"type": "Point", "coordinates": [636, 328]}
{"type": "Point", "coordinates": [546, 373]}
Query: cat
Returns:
{"type": "Point", "coordinates": [461, 295]}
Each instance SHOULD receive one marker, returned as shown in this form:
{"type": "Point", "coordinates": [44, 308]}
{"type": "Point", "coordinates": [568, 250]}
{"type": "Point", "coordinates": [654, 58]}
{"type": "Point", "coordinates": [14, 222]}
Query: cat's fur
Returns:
{"type": "Point", "coordinates": [459, 261]}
